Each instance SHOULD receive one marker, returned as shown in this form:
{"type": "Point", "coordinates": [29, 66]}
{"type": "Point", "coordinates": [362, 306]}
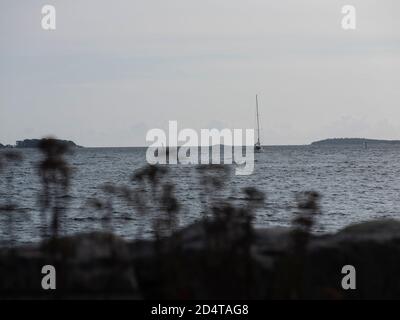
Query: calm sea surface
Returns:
{"type": "Point", "coordinates": [356, 184]}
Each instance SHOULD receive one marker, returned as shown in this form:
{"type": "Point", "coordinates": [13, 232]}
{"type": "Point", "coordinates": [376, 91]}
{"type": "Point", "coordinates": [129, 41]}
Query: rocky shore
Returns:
{"type": "Point", "coordinates": [191, 264]}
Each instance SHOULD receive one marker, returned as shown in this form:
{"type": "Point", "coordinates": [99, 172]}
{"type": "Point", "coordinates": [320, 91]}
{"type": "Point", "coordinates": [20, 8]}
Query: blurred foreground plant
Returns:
{"type": "Point", "coordinates": [55, 175]}
{"type": "Point", "coordinates": [290, 278]}
{"type": "Point", "coordinates": [154, 195]}
{"type": "Point", "coordinates": [8, 162]}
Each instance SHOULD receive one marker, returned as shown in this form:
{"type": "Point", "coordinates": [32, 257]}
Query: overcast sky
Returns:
{"type": "Point", "coordinates": [115, 69]}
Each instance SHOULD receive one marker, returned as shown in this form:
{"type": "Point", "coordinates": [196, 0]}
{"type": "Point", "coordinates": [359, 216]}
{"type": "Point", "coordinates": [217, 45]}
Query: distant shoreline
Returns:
{"type": "Point", "coordinates": [354, 141]}
{"type": "Point", "coordinates": [32, 143]}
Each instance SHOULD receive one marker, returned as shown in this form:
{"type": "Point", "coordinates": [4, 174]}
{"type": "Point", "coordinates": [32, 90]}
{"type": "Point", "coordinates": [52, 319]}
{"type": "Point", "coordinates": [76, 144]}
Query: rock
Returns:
{"type": "Point", "coordinates": [195, 263]}
{"type": "Point", "coordinates": [373, 248]}
{"type": "Point", "coordinates": [379, 230]}
{"type": "Point", "coordinates": [96, 265]}
{"type": "Point", "coordinates": [83, 248]}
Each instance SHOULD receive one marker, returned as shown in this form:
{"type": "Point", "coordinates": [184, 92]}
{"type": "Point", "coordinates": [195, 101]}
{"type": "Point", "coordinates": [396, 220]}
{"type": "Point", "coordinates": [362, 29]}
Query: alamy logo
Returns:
{"type": "Point", "coordinates": [183, 147]}
{"type": "Point", "coordinates": [349, 20]}
{"type": "Point", "coordinates": [349, 280]}
{"type": "Point", "coordinates": [49, 280]}
{"type": "Point", "coordinates": [49, 17]}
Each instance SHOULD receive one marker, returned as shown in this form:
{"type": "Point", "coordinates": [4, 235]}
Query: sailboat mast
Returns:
{"type": "Point", "coordinates": [258, 122]}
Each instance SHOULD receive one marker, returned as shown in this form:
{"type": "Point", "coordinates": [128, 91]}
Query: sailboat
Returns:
{"type": "Point", "coordinates": [257, 145]}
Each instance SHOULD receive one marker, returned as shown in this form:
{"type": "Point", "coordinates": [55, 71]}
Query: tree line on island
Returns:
{"type": "Point", "coordinates": [353, 141]}
{"type": "Point", "coordinates": [34, 143]}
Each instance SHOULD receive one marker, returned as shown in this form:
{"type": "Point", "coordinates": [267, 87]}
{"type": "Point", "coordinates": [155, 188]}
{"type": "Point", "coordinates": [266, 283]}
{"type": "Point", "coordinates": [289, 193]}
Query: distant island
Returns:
{"type": "Point", "coordinates": [353, 141]}
{"type": "Point", "coordinates": [34, 143]}
{"type": "Point", "coordinates": [2, 146]}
